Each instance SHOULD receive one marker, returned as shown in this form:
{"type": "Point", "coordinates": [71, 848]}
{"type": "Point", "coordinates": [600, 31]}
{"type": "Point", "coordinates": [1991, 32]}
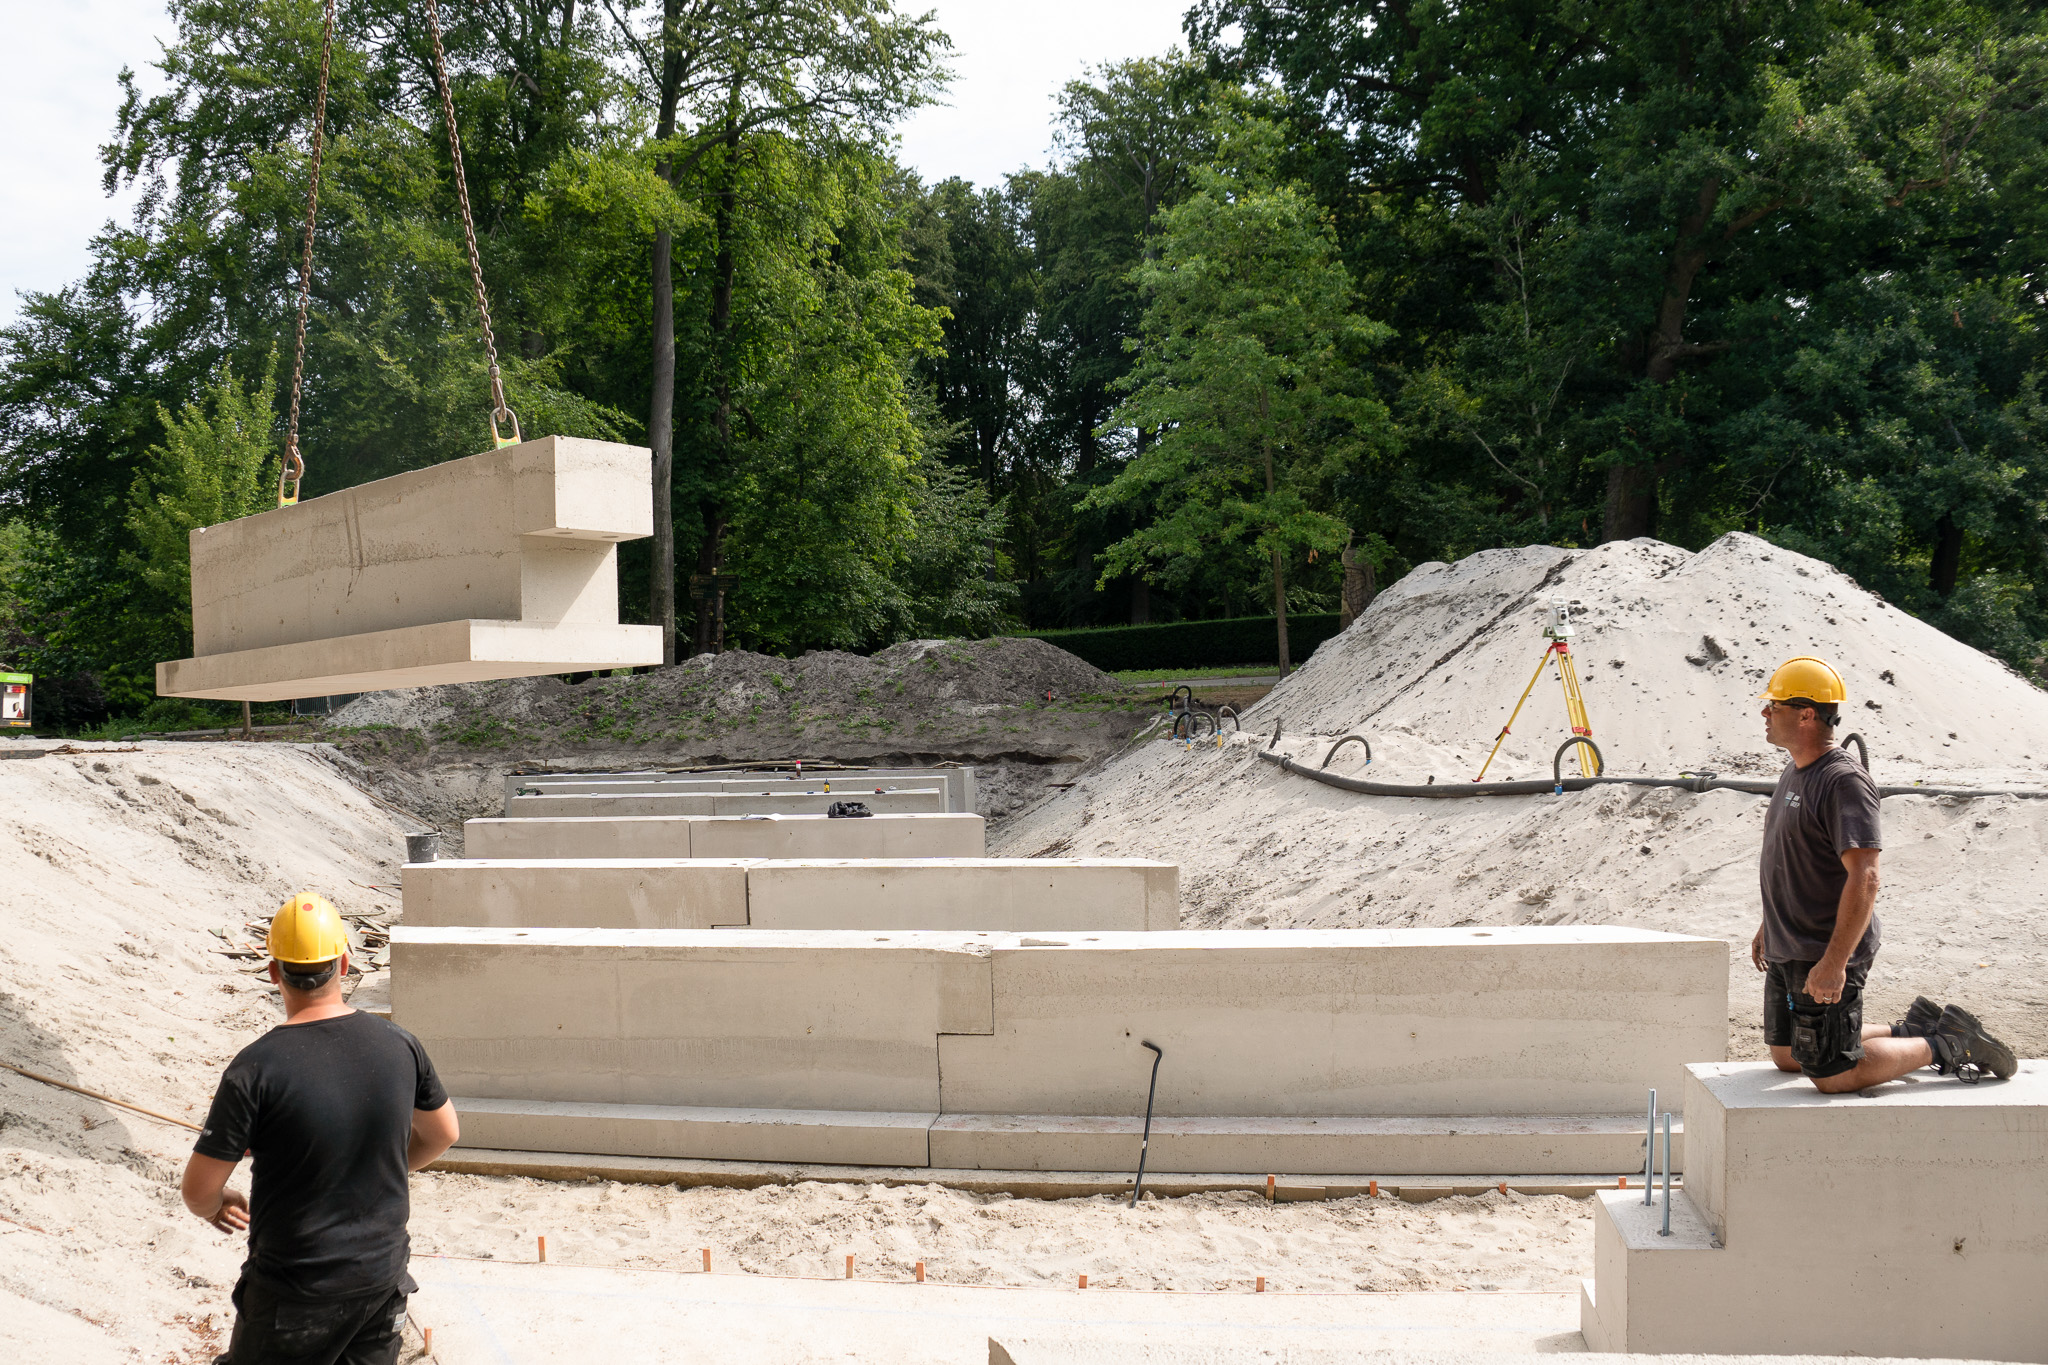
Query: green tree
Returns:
{"type": "Point", "coordinates": [1248, 372]}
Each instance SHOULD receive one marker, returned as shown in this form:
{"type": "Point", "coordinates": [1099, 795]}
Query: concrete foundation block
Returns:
{"type": "Point", "coordinates": [1904, 1221]}
{"type": "Point", "coordinates": [958, 782]}
{"type": "Point", "coordinates": [1034, 894]}
{"type": "Point", "coordinates": [945, 835]}
{"type": "Point", "coordinates": [830, 1137]}
{"type": "Point", "coordinates": [500, 565]}
{"type": "Point", "coordinates": [590, 893]}
{"type": "Point", "coordinates": [801, 801]}
{"type": "Point", "coordinates": [1531, 1020]}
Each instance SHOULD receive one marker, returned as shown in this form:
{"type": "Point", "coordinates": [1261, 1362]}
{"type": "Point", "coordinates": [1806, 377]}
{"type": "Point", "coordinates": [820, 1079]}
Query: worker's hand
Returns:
{"type": "Point", "coordinates": [1756, 950]}
{"type": "Point", "coordinates": [234, 1212]}
{"type": "Point", "coordinates": [1824, 984]}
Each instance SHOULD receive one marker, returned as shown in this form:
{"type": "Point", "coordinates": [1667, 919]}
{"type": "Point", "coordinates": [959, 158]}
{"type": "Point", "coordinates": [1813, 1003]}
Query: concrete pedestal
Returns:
{"type": "Point", "coordinates": [704, 836]}
{"type": "Point", "coordinates": [1364, 1051]}
{"type": "Point", "coordinates": [880, 799]}
{"type": "Point", "coordinates": [960, 894]}
{"type": "Point", "coordinates": [958, 782]}
{"type": "Point", "coordinates": [502, 565]}
{"type": "Point", "coordinates": [1905, 1221]}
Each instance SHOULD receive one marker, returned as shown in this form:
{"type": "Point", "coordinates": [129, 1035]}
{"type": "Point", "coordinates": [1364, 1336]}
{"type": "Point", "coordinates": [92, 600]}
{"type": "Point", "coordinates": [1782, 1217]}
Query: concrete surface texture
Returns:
{"type": "Point", "coordinates": [1382, 1051]}
{"type": "Point", "coordinates": [1905, 1220]}
{"type": "Point", "coordinates": [948, 835]}
{"type": "Point", "coordinates": [958, 780]}
{"type": "Point", "coordinates": [500, 565]}
{"type": "Point", "coordinates": [812, 799]}
{"type": "Point", "coordinates": [1041, 894]}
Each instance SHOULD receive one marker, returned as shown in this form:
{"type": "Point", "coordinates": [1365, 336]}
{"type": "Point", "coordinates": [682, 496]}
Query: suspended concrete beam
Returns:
{"type": "Point", "coordinates": [502, 565]}
{"type": "Point", "coordinates": [948, 835]}
{"type": "Point", "coordinates": [1037, 894]}
{"type": "Point", "coordinates": [958, 781]}
{"type": "Point", "coordinates": [1366, 1051]}
{"type": "Point", "coordinates": [882, 800]}
{"type": "Point", "coordinates": [1905, 1220]}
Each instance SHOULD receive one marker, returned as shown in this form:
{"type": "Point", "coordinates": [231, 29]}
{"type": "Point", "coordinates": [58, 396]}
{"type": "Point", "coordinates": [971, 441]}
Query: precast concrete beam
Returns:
{"type": "Point", "coordinates": [946, 835]}
{"type": "Point", "coordinates": [1420, 1051]}
{"type": "Point", "coordinates": [1904, 1220]}
{"type": "Point", "coordinates": [812, 800]}
{"type": "Point", "coordinates": [1038, 894]}
{"type": "Point", "coordinates": [501, 565]}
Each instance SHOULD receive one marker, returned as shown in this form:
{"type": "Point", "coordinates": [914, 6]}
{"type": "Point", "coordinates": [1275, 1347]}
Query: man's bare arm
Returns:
{"type": "Point", "coordinates": [433, 1132]}
{"type": "Point", "coordinates": [207, 1194]}
{"type": "Point", "coordinates": [1830, 975]}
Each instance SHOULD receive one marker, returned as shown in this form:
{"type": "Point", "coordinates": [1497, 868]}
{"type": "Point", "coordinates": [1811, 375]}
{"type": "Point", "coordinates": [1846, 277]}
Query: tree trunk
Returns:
{"type": "Point", "coordinates": [1280, 613]}
{"type": "Point", "coordinates": [1141, 601]}
{"type": "Point", "coordinates": [1631, 509]}
{"type": "Point", "coordinates": [661, 405]}
{"type": "Point", "coordinates": [1948, 555]}
{"type": "Point", "coordinates": [1359, 589]}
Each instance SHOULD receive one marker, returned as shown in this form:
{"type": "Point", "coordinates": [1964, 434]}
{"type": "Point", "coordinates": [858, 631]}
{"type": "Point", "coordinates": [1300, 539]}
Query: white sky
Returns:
{"type": "Point", "coordinates": [58, 100]}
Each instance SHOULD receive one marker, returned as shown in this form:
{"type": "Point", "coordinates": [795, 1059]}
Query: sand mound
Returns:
{"type": "Point", "coordinates": [1672, 651]}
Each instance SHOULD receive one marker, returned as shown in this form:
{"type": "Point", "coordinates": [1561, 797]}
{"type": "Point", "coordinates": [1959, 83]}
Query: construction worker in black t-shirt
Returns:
{"type": "Point", "coordinates": [1820, 931]}
{"type": "Point", "coordinates": [336, 1107]}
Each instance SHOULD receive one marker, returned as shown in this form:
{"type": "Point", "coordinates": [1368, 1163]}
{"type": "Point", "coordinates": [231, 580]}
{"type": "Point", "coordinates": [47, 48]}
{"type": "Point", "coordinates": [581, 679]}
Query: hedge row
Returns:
{"type": "Point", "coordinates": [1192, 644]}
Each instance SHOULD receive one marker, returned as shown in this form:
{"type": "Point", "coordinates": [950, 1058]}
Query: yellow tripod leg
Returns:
{"type": "Point", "coordinates": [1575, 707]}
{"type": "Point", "coordinates": [1497, 739]}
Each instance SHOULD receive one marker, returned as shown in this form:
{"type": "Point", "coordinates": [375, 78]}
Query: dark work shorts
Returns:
{"type": "Point", "coordinates": [1826, 1040]}
{"type": "Point", "coordinates": [271, 1329]}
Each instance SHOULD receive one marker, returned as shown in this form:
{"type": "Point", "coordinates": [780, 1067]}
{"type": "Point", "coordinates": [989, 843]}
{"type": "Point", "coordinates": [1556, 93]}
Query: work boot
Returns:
{"type": "Point", "coordinates": [1963, 1049]}
{"type": "Point", "coordinates": [1921, 1017]}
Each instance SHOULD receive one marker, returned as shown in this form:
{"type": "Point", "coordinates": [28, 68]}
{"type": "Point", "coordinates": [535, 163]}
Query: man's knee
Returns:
{"type": "Point", "coordinates": [1781, 1057]}
{"type": "Point", "coordinates": [1839, 1084]}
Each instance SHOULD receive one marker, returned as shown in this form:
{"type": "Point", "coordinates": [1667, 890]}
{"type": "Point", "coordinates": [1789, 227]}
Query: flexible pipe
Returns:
{"type": "Point", "coordinates": [1540, 786]}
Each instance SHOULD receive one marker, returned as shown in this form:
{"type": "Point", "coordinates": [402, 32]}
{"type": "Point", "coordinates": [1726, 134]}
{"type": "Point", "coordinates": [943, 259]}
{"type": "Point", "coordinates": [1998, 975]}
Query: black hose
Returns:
{"type": "Point", "coordinates": [1231, 711]}
{"type": "Point", "coordinates": [1173, 699]}
{"type": "Point", "coordinates": [1699, 783]}
{"type": "Point", "coordinates": [1557, 759]}
{"type": "Point", "coordinates": [1192, 722]}
{"type": "Point", "coordinates": [1862, 749]}
{"type": "Point", "coordinates": [1348, 739]}
{"type": "Point", "coordinates": [1145, 1143]}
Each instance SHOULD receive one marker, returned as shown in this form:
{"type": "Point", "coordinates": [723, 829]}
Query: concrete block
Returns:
{"type": "Point", "coordinates": [1528, 1020]}
{"type": "Point", "coordinates": [590, 893]}
{"type": "Point", "coordinates": [1330, 1145]}
{"type": "Point", "coordinates": [883, 801]}
{"type": "Point", "coordinates": [958, 781]}
{"type": "Point", "coordinates": [828, 1136]}
{"type": "Point", "coordinates": [730, 1018]}
{"type": "Point", "coordinates": [771, 836]}
{"type": "Point", "coordinates": [1036, 894]}
{"type": "Point", "coordinates": [500, 565]}
{"type": "Point", "coordinates": [1903, 1221]}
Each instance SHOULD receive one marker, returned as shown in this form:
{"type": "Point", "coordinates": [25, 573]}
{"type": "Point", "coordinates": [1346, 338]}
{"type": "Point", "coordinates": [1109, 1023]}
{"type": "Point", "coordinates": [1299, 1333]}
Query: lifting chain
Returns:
{"type": "Point", "coordinates": [499, 412]}
{"type": "Point", "coordinates": [294, 467]}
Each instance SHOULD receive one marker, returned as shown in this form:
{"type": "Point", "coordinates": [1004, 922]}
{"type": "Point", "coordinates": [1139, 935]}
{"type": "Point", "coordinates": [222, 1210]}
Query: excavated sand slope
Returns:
{"type": "Point", "coordinates": [1672, 651]}
{"type": "Point", "coordinates": [1429, 675]}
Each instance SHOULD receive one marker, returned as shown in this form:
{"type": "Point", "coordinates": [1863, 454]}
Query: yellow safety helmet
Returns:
{"type": "Point", "coordinates": [307, 930]}
{"type": "Point", "coordinates": [1808, 678]}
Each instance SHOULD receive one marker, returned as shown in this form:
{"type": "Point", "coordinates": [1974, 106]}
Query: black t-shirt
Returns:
{"type": "Point", "coordinates": [326, 1110]}
{"type": "Point", "coordinates": [1816, 812]}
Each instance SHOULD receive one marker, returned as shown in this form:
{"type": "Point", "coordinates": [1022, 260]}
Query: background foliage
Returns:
{"type": "Point", "coordinates": [1531, 271]}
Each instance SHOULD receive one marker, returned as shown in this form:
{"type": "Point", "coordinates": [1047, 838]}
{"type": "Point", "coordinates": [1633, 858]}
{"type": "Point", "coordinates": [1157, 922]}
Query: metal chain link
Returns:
{"type": "Point", "coordinates": [294, 466]}
{"type": "Point", "coordinates": [476, 269]}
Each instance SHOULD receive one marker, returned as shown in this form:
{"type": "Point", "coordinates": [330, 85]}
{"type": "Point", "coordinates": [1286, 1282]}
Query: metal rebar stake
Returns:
{"type": "Point", "coordinates": [1145, 1143]}
{"type": "Point", "coordinates": [1650, 1154]}
{"type": "Point", "coordinates": [1666, 1231]}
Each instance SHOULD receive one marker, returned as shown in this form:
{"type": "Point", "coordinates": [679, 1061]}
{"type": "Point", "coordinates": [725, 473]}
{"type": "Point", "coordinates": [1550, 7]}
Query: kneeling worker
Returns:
{"type": "Point", "coordinates": [337, 1107]}
{"type": "Point", "coordinates": [1819, 931]}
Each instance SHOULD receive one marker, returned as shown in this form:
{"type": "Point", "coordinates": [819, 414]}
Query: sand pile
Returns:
{"type": "Point", "coordinates": [1672, 651]}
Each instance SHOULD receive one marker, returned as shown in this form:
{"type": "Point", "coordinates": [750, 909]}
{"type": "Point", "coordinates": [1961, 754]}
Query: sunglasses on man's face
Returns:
{"type": "Point", "coordinates": [1785, 706]}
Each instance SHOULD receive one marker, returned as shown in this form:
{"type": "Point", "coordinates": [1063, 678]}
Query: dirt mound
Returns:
{"type": "Point", "coordinates": [1672, 651]}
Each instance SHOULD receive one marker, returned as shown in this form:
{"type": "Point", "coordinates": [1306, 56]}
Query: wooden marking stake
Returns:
{"type": "Point", "coordinates": [920, 1272]}
{"type": "Point", "coordinates": [543, 1247]}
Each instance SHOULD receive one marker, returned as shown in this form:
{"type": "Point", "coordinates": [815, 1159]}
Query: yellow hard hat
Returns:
{"type": "Point", "coordinates": [1806, 677]}
{"type": "Point", "coordinates": [307, 930]}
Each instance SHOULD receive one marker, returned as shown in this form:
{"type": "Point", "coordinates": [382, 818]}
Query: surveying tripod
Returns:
{"type": "Point", "coordinates": [1559, 633]}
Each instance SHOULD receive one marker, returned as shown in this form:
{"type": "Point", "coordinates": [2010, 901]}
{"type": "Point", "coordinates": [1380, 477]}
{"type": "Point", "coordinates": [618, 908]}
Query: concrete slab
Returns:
{"type": "Point", "coordinates": [846, 893]}
{"type": "Point", "coordinates": [508, 1314]}
{"type": "Point", "coordinates": [496, 566]}
{"type": "Point", "coordinates": [1911, 1212]}
{"type": "Point", "coordinates": [948, 835]}
{"type": "Point", "coordinates": [880, 800]}
{"type": "Point", "coordinates": [1030, 1045]}
{"type": "Point", "coordinates": [830, 1136]}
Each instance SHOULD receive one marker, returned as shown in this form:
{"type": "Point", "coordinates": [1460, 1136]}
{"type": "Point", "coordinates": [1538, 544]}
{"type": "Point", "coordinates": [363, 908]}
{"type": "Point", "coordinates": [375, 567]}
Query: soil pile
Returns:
{"type": "Point", "coordinates": [1673, 648]}
{"type": "Point", "coordinates": [1024, 712]}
